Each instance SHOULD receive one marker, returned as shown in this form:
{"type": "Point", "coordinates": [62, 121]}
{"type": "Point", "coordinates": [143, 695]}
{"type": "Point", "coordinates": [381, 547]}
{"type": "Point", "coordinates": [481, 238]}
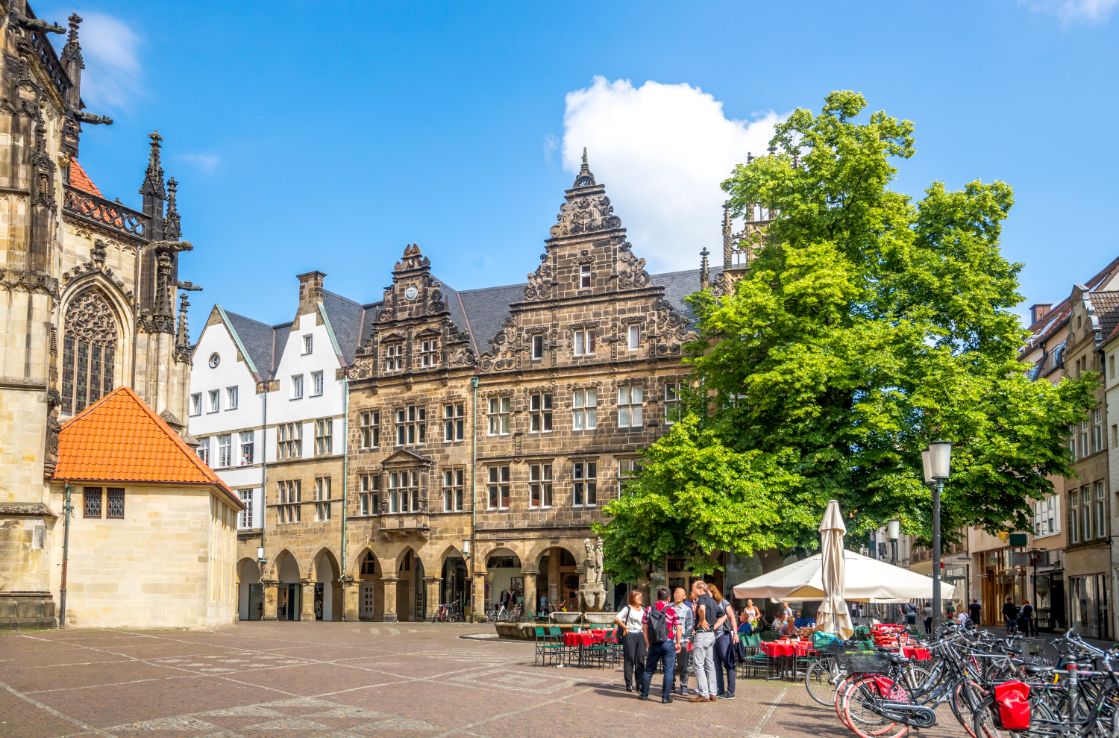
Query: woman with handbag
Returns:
{"type": "Point", "coordinates": [630, 620]}
{"type": "Point", "coordinates": [726, 644]}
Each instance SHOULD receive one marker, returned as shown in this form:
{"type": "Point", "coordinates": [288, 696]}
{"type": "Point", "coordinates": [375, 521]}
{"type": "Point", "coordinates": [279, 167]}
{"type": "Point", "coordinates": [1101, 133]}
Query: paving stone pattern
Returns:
{"type": "Point", "coordinates": [350, 679]}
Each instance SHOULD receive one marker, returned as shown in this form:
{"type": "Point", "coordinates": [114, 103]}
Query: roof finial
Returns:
{"type": "Point", "coordinates": [704, 277]}
{"type": "Point", "coordinates": [172, 227]}
{"type": "Point", "coordinates": [584, 178]}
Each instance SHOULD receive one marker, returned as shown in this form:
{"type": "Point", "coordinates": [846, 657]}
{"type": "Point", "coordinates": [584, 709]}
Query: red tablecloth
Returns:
{"type": "Point", "coordinates": [586, 638]}
{"type": "Point", "coordinates": [776, 649]}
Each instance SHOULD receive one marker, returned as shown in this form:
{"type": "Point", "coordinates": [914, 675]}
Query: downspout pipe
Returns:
{"type": "Point", "coordinates": [66, 514]}
{"type": "Point", "coordinates": [345, 475]}
{"type": "Point", "coordinates": [263, 480]}
{"type": "Point", "coordinates": [473, 491]}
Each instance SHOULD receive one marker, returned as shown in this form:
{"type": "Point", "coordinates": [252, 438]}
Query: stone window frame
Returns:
{"type": "Point", "coordinates": [249, 445]}
{"type": "Point", "coordinates": [589, 412]}
{"type": "Point", "coordinates": [454, 421]}
{"type": "Point", "coordinates": [203, 449]}
{"type": "Point", "coordinates": [308, 344]}
{"type": "Point", "coordinates": [289, 508]}
{"type": "Point", "coordinates": [231, 397]}
{"type": "Point", "coordinates": [454, 484]}
{"type": "Point", "coordinates": [296, 387]}
{"type": "Point", "coordinates": [114, 503]}
{"type": "Point", "coordinates": [541, 411]}
{"type": "Point", "coordinates": [632, 411]}
{"type": "Point", "coordinates": [625, 474]}
{"type": "Point", "coordinates": [324, 436]}
{"type": "Point", "coordinates": [214, 397]}
{"type": "Point", "coordinates": [289, 441]}
{"type": "Point", "coordinates": [671, 397]}
{"type": "Point", "coordinates": [91, 338]}
{"type": "Point", "coordinates": [429, 349]}
{"type": "Point", "coordinates": [538, 345]}
{"type": "Point", "coordinates": [92, 504]}
{"type": "Point", "coordinates": [403, 499]}
{"type": "Point", "coordinates": [410, 428]}
{"type": "Point", "coordinates": [195, 404]}
{"type": "Point", "coordinates": [541, 485]}
{"type": "Point", "coordinates": [629, 326]}
{"type": "Point", "coordinates": [1102, 526]}
{"type": "Point", "coordinates": [318, 385]}
{"type": "Point", "coordinates": [369, 493]}
{"type": "Point", "coordinates": [1074, 515]}
{"type": "Point", "coordinates": [499, 486]}
{"type": "Point", "coordinates": [245, 517]}
{"type": "Point", "coordinates": [369, 433]}
{"type": "Point", "coordinates": [586, 276]}
{"type": "Point", "coordinates": [584, 482]}
{"type": "Point", "coordinates": [323, 495]}
{"type": "Point", "coordinates": [582, 341]}
{"type": "Point", "coordinates": [392, 355]}
{"type": "Point", "coordinates": [503, 415]}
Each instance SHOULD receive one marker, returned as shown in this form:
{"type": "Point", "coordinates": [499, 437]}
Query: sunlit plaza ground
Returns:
{"type": "Point", "coordinates": [354, 679]}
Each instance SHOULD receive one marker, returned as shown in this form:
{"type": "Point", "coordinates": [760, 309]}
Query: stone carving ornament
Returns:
{"type": "Point", "coordinates": [587, 213]}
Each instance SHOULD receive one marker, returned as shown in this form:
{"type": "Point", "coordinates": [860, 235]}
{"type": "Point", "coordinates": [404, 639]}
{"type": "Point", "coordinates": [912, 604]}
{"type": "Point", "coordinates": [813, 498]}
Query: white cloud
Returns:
{"type": "Point", "coordinates": [551, 145]}
{"type": "Point", "coordinates": [203, 161]}
{"type": "Point", "coordinates": [1075, 11]}
{"type": "Point", "coordinates": [662, 152]}
{"type": "Point", "coordinates": [113, 73]}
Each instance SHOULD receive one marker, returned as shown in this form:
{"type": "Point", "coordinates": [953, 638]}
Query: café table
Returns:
{"type": "Point", "coordinates": [582, 640]}
{"type": "Point", "coordinates": [785, 653]}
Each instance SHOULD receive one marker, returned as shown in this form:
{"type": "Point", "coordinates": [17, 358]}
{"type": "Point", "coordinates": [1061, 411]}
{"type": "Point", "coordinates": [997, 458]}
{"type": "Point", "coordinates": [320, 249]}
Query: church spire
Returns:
{"type": "Point", "coordinates": [73, 63]}
{"type": "Point", "coordinates": [172, 226]}
{"type": "Point", "coordinates": [152, 189]}
{"type": "Point", "coordinates": [584, 178]}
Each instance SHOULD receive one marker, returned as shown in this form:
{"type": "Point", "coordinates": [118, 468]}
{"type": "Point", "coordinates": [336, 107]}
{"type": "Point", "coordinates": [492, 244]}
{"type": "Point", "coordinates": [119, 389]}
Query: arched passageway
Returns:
{"type": "Point", "coordinates": [328, 588]}
{"type": "Point", "coordinates": [289, 594]}
{"type": "Point", "coordinates": [454, 588]}
{"type": "Point", "coordinates": [250, 592]}
{"type": "Point", "coordinates": [558, 579]}
{"type": "Point", "coordinates": [370, 595]}
{"type": "Point", "coordinates": [504, 580]}
{"type": "Point", "coordinates": [411, 595]}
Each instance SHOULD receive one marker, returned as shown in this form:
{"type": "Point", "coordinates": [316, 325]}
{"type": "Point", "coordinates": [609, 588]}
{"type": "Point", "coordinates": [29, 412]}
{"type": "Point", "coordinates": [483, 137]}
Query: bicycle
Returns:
{"type": "Point", "coordinates": [448, 613]}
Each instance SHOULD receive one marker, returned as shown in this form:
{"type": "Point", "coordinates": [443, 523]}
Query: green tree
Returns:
{"type": "Point", "coordinates": [867, 325]}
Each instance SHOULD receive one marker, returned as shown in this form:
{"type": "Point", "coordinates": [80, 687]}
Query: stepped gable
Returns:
{"type": "Point", "coordinates": [120, 439]}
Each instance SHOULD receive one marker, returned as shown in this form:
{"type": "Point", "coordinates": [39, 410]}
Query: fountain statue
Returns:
{"type": "Point", "coordinates": [593, 591]}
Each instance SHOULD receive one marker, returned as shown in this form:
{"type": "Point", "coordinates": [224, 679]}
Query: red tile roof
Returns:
{"type": "Point", "coordinates": [79, 180]}
{"type": "Point", "coordinates": [120, 439]}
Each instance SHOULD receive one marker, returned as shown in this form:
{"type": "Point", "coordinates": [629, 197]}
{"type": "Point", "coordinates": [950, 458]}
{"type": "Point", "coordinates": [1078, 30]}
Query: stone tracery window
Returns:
{"type": "Point", "coordinates": [88, 351]}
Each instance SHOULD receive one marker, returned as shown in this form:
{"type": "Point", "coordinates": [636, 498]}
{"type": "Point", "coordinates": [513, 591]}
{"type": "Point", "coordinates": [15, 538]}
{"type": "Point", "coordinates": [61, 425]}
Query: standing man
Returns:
{"type": "Point", "coordinates": [975, 610]}
{"type": "Point", "coordinates": [662, 639]}
{"type": "Point", "coordinates": [703, 646]}
{"type": "Point", "coordinates": [1010, 615]}
{"type": "Point", "coordinates": [686, 617]}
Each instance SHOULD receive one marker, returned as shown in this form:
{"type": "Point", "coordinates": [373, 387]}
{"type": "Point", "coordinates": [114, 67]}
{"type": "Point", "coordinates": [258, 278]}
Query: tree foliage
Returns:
{"type": "Point", "coordinates": [867, 325]}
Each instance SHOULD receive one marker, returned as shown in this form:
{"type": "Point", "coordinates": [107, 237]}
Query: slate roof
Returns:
{"type": "Point", "coordinates": [1059, 313]}
{"type": "Point", "coordinates": [120, 439]}
{"type": "Point", "coordinates": [478, 313]}
{"type": "Point", "coordinates": [79, 180]}
{"type": "Point", "coordinates": [1106, 305]}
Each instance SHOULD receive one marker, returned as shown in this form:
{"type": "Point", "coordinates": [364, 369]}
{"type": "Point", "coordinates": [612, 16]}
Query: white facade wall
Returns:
{"type": "Point", "coordinates": [282, 407]}
{"type": "Point", "coordinates": [1111, 430]}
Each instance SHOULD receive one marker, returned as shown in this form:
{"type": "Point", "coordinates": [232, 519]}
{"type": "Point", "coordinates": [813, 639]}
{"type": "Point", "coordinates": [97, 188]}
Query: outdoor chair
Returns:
{"type": "Point", "coordinates": [548, 648]}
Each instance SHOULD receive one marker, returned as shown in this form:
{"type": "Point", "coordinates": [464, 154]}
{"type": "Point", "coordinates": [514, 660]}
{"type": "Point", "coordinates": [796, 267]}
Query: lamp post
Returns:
{"type": "Point", "coordinates": [468, 554]}
{"type": "Point", "coordinates": [893, 531]}
{"type": "Point", "coordinates": [937, 462]}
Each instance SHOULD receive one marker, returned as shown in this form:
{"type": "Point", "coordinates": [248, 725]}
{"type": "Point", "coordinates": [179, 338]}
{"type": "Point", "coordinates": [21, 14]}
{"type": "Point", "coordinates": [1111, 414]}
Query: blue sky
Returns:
{"type": "Point", "coordinates": [315, 136]}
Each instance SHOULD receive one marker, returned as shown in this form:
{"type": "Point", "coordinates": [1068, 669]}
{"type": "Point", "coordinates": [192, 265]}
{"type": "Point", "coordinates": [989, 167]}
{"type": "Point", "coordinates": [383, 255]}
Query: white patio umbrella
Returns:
{"type": "Point", "coordinates": [832, 615]}
{"type": "Point", "coordinates": [865, 580]}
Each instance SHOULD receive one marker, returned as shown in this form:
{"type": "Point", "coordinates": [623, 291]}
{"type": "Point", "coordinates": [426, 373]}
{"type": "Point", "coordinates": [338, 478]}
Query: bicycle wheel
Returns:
{"type": "Point", "coordinates": [822, 678]}
{"type": "Point", "coordinates": [985, 724]}
{"type": "Point", "coordinates": [860, 712]}
{"type": "Point", "coordinates": [964, 702]}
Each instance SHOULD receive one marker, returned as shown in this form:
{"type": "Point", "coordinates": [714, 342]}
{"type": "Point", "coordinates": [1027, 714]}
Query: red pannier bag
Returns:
{"type": "Point", "coordinates": [1013, 699]}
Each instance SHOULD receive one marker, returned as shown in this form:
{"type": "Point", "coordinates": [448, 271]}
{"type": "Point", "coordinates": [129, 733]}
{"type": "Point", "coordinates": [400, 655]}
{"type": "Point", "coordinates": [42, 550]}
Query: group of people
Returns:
{"type": "Point", "coordinates": [685, 631]}
{"type": "Point", "coordinates": [1019, 618]}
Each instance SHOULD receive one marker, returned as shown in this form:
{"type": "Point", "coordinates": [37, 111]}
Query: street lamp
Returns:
{"type": "Point", "coordinates": [937, 462]}
{"type": "Point", "coordinates": [893, 530]}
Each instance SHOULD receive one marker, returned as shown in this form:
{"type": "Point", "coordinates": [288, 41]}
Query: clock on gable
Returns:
{"type": "Point", "coordinates": [411, 293]}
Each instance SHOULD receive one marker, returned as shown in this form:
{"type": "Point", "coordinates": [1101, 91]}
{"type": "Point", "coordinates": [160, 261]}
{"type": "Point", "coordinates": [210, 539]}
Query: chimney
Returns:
{"type": "Point", "coordinates": [1039, 311]}
{"type": "Point", "coordinates": [310, 291]}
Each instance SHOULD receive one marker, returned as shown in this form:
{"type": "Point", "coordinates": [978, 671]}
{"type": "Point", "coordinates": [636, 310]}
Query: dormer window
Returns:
{"type": "Point", "coordinates": [585, 276]}
{"type": "Point", "coordinates": [308, 344]}
{"type": "Point", "coordinates": [429, 352]}
{"type": "Point", "coordinates": [394, 357]}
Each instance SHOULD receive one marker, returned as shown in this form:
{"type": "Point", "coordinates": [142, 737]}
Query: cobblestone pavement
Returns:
{"type": "Point", "coordinates": [353, 679]}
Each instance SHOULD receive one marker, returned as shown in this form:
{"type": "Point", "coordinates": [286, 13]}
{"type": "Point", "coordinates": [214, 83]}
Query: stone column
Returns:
{"type": "Point", "coordinates": [555, 585]}
{"type": "Point", "coordinates": [389, 615]}
{"type": "Point", "coordinates": [307, 612]}
{"type": "Point", "coordinates": [351, 589]}
{"type": "Point", "coordinates": [479, 599]}
{"type": "Point", "coordinates": [271, 592]}
{"type": "Point", "coordinates": [432, 599]}
{"type": "Point", "coordinates": [531, 600]}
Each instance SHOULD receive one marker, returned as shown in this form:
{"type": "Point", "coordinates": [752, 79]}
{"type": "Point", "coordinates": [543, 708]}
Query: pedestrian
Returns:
{"type": "Point", "coordinates": [1026, 622]}
{"type": "Point", "coordinates": [1010, 614]}
{"type": "Point", "coordinates": [686, 617]}
{"type": "Point", "coordinates": [910, 613]}
{"type": "Point", "coordinates": [975, 610]}
{"type": "Point", "coordinates": [703, 644]}
{"type": "Point", "coordinates": [787, 611]}
{"type": "Point", "coordinates": [726, 644]}
{"type": "Point", "coordinates": [543, 605]}
{"type": "Point", "coordinates": [750, 616]}
{"type": "Point", "coordinates": [928, 620]}
{"type": "Point", "coordinates": [662, 640]}
{"type": "Point", "coordinates": [630, 620]}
